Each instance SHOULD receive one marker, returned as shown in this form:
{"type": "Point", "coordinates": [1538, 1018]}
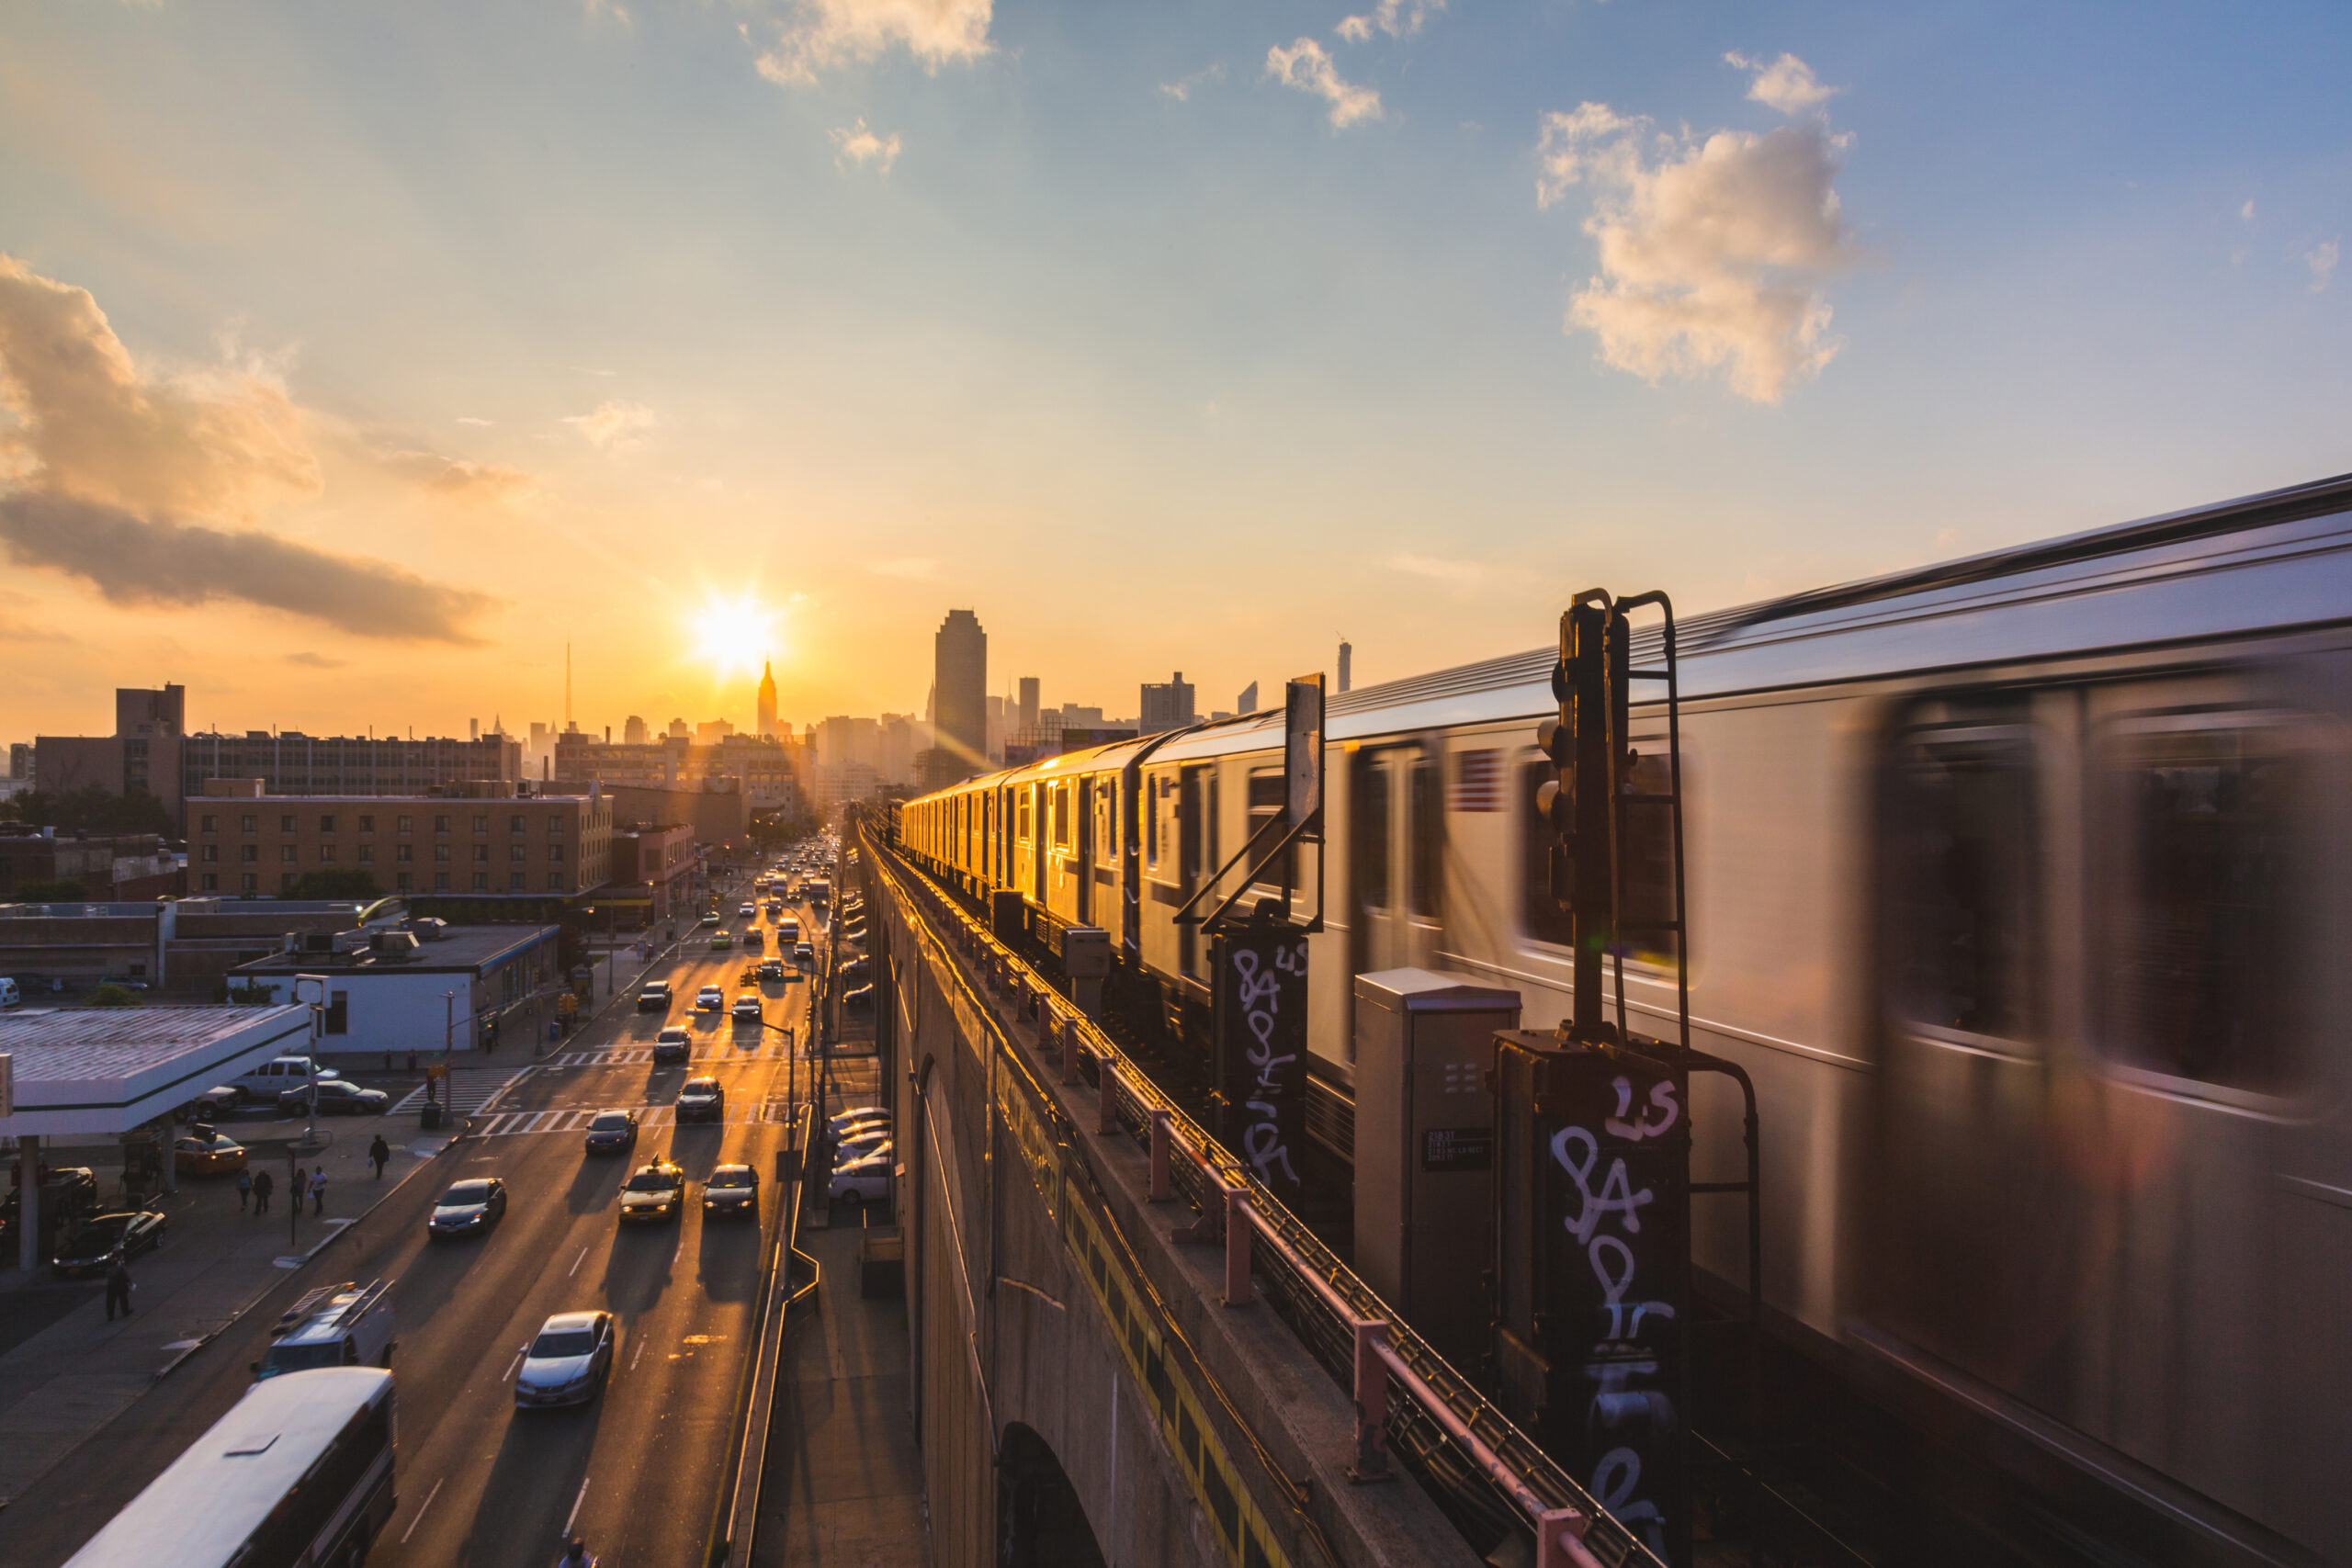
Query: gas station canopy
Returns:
{"type": "Point", "coordinates": [108, 1070]}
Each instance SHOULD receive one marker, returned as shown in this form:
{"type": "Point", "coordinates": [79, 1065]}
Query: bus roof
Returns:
{"type": "Point", "coordinates": [211, 1499]}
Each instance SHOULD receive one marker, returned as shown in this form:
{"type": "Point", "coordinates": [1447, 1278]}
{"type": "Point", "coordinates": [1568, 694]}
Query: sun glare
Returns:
{"type": "Point", "coordinates": [733, 636]}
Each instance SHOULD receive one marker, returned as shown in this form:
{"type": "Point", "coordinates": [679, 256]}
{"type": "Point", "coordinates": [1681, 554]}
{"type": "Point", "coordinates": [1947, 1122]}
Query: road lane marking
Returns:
{"type": "Point", "coordinates": [512, 1365]}
{"type": "Point", "coordinates": [640, 1350]}
{"type": "Point", "coordinates": [579, 1260]}
{"type": "Point", "coordinates": [573, 1517]}
{"type": "Point", "coordinates": [420, 1511]}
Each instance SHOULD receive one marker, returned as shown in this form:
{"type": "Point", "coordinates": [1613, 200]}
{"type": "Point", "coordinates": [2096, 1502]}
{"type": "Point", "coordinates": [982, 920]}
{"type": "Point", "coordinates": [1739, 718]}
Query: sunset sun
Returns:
{"type": "Point", "coordinates": [733, 636]}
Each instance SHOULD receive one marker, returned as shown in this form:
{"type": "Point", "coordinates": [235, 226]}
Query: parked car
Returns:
{"type": "Point", "coordinates": [857, 969]}
{"type": "Point", "coordinates": [862, 1181]}
{"type": "Point", "coordinates": [657, 1192]}
{"type": "Point", "coordinates": [568, 1360]}
{"type": "Point", "coordinates": [857, 1113]}
{"type": "Point", "coordinates": [87, 1250]}
{"type": "Point", "coordinates": [203, 1152]}
{"type": "Point", "coordinates": [654, 997]}
{"type": "Point", "coordinates": [612, 1132]}
{"type": "Point", "coordinates": [468, 1207]}
{"type": "Point", "coordinates": [858, 1143]}
{"type": "Point", "coordinates": [859, 999]}
{"type": "Point", "coordinates": [701, 1099]}
{"type": "Point", "coordinates": [673, 1045]}
{"type": "Point", "coordinates": [267, 1080]}
{"type": "Point", "coordinates": [710, 998]}
{"type": "Point", "coordinates": [747, 1007]}
{"type": "Point", "coordinates": [336, 1097]}
{"type": "Point", "coordinates": [214, 1103]}
{"type": "Point", "coordinates": [733, 1193]}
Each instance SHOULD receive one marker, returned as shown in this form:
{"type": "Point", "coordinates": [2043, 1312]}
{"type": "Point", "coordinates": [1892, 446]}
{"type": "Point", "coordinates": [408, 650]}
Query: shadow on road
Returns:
{"type": "Point", "coordinates": [636, 1269]}
{"type": "Point", "coordinates": [727, 1263]}
{"type": "Point", "coordinates": [532, 1485]}
{"type": "Point", "coordinates": [598, 1179]}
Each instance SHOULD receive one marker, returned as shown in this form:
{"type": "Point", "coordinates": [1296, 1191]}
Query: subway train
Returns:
{"type": "Point", "coordinates": [2017, 884]}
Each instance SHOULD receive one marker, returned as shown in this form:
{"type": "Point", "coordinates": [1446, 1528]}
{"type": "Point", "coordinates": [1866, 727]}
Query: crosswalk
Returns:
{"type": "Point", "coordinates": [632, 1056]}
{"type": "Point", "coordinates": [575, 1119]}
{"type": "Point", "coordinates": [467, 1090]}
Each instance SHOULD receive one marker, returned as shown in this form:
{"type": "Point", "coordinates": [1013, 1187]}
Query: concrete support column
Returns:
{"type": "Point", "coordinates": [29, 1202]}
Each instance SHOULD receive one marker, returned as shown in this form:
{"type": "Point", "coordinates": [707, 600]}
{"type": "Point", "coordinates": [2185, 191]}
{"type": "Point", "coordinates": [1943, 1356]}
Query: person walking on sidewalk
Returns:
{"type": "Point", "coordinates": [318, 1189]}
{"type": "Point", "coordinates": [117, 1285]}
{"type": "Point", "coordinates": [262, 1182]}
{"type": "Point", "coordinates": [245, 1189]}
{"type": "Point", "coordinates": [380, 1153]}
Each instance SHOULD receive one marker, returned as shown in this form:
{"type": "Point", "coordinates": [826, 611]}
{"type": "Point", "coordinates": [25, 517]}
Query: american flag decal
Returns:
{"type": "Point", "coordinates": [1477, 781]}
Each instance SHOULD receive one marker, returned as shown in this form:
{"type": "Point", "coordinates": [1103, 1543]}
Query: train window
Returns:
{"type": "Point", "coordinates": [1539, 847]}
{"type": "Point", "coordinates": [2210, 893]}
{"type": "Point", "coordinates": [1961, 893]}
{"type": "Point", "coordinates": [1368, 832]}
{"type": "Point", "coordinates": [1269, 792]}
{"type": "Point", "coordinates": [1155, 790]}
{"type": "Point", "coordinates": [1023, 815]}
{"type": "Point", "coordinates": [1428, 829]}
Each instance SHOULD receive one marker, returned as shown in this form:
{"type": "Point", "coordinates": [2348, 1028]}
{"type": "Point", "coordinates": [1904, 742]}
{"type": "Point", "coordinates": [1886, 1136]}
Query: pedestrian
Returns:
{"type": "Point", "coordinates": [245, 1189]}
{"type": "Point", "coordinates": [318, 1189]}
{"type": "Point", "coordinates": [388, 1058]}
{"type": "Point", "coordinates": [262, 1182]}
{"type": "Point", "coordinates": [411, 1058]}
{"type": "Point", "coordinates": [117, 1285]}
{"type": "Point", "coordinates": [381, 1153]}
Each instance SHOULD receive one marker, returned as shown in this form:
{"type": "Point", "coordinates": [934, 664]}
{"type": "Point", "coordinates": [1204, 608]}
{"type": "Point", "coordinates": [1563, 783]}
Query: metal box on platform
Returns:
{"type": "Point", "coordinates": [1424, 1154]}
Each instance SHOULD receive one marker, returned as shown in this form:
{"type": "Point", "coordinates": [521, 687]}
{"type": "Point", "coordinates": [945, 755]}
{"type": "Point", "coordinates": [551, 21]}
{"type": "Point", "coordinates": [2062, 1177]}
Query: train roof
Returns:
{"type": "Point", "coordinates": [2271, 562]}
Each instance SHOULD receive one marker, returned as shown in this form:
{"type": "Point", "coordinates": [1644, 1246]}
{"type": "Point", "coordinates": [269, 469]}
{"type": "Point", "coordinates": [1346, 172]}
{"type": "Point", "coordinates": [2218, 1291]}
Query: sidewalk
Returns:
{"type": "Point", "coordinates": [65, 1371]}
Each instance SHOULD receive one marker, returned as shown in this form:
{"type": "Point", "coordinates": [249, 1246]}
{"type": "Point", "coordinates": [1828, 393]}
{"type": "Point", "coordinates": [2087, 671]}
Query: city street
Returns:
{"type": "Point", "coordinates": [636, 1470]}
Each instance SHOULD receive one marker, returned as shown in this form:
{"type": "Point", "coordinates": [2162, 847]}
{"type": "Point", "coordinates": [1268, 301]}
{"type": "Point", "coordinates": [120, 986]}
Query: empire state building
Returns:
{"type": "Point", "coordinates": [767, 700]}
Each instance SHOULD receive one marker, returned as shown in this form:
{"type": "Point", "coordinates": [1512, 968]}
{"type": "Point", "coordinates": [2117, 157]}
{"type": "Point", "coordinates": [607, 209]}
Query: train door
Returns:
{"type": "Point", "coordinates": [1196, 851]}
{"type": "Point", "coordinates": [1085, 902]}
{"type": "Point", "coordinates": [1395, 827]}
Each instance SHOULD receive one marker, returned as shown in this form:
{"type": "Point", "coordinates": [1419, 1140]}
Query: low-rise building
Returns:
{"type": "Point", "coordinates": [110, 867]}
{"type": "Point", "coordinates": [653, 871]}
{"type": "Point", "coordinates": [184, 946]}
{"type": "Point", "coordinates": [290, 762]}
{"type": "Point", "coordinates": [420, 986]}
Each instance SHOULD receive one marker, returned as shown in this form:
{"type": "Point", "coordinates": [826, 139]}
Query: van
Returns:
{"type": "Point", "coordinates": [9, 996]}
{"type": "Point", "coordinates": [265, 1082]}
{"type": "Point", "coordinates": [335, 1325]}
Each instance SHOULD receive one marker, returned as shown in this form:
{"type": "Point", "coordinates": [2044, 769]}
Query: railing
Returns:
{"type": "Point", "coordinates": [735, 1517]}
{"type": "Point", "coordinates": [1491, 1478]}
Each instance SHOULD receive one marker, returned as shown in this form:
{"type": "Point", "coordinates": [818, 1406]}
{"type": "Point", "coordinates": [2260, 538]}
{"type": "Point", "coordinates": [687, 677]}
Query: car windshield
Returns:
{"type": "Point", "coordinates": [610, 1121]}
{"type": "Point", "coordinates": [740, 1177]}
{"type": "Point", "coordinates": [465, 1195]}
{"type": "Point", "coordinates": [700, 1086]}
{"type": "Point", "coordinates": [653, 1181]}
{"type": "Point", "coordinates": [675, 1036]}
{"type": "Point", "coordinates": [557, 1343]}
{"type": "Point", "coordinates": [102, 1234]}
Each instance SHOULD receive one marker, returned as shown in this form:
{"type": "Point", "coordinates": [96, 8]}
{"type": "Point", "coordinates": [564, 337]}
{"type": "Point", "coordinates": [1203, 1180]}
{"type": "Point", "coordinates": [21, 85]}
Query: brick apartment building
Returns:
{"type": "Point", "coordinates": [657, 866]}
{"type": "Point", "coordinates": [498, 842]}
{"type": "Point", "coordinates": [290, 762]}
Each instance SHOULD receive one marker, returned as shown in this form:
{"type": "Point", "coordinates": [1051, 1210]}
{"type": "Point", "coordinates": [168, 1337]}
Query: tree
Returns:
{"type": "Point", "coordinates": [51, 890]}
{"type": "Point", "coordinates": [343, 882]}
{"type": "Point", "coordinates": [113, 995]}
{"type": "Point", "coordinates": [92, 810]}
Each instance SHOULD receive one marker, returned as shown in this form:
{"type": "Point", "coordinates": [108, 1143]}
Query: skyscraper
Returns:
{"type": "Point", "coordinates": [1166, 706]}
{"type": "Point", "coordinates": [960, 684]}
{"type": "Point", "coordinates": [767, 699]}
{"type": "Point", "coordinates": [633, 732]}
{"type": "Point", "coordinates": [1247, 701]}
{"type": "Point", "coordinates": [1029, 703]}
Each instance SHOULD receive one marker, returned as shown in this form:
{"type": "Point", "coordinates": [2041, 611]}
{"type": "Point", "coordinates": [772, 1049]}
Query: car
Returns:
{"type": "Point", "coordinates": [468, 1207]}
{"type": "Point", "coordinates": [775, 908]}
{"type": "Point", "coordinates": [857, 1113]}
{"type": "Point", "coordinates": [858, 1143]}
{"type": "Point", "coordinates": [733, 1191]}
{"type": "Point", "coordinates": [803, 953]}
{"type": "Point", "coordinates": [862, 1181]}
{"type": "Point", "coordinates": [87, 1250]}
{"type": "Point", "coordinates": [749, 912]}
{"type": "Point", "coordinates": [709, 920]}
{"type": "Point", "coordinates": [857, 969]}
{"type": "Point", "coordinates": [212, 1103]}
{"type": "Point", "coordinates": [567, 1361]}
{"type": "Point", "coordinates": [858, 1128]}
{"type": "Point", "coordinates": [710, 998]}
{"type": "Point", "coordinates": [720, 940]}
{"type": "Point", "coordinates": [656, 1192]}
{"type": "Point", "coordinates": [673, 1045]}
{"type": "Point", "coordinates": [747, 1007]}
{"type": "Point", "coordinates": [771, 968]}
{"type": "Point", "coordinates": [701, 1099]}
{"type": "Point", "coordinates": [203, 1152]}
{"type": "Point", "coordinates": [654, 997]}
{"type": "Point", "coordinates": [859, 999]}
{"type": "Point", "coordinates": [611, 1132]}
{"type": "Point", "coordinates": [757, 938]}
{"type": "Point", "coordinates": [336, 1097]}
{"type": "Point", "coordinates": [265, 1081]}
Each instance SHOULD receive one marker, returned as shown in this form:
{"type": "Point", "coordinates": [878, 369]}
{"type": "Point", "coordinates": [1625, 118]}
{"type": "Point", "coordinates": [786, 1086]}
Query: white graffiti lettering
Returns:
{"type": "Point", "coordinates": [1661, 1097]}
{"type": "Point", "coordinates": [1616, 1194]}
{"type": "Point", "coordinates": [1259, 993]}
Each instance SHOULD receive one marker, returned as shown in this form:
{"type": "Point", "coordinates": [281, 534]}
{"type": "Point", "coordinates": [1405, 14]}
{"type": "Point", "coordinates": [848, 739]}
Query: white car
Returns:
{"type": "Point", "coordinates": [865, 1181]}
{"type": "Point", "coordinates": [870, 1143]}
{"type": "Point", "coordinates": [749, 911]}
{"type": "Point", "coordinates": [567, 1361]}
{"type": "Point", "coordinates": [265, 1082]}
{"type": "Point", "coordinates": [710, 998]}
{"type": "Point", "coordinates": [858, 1114]}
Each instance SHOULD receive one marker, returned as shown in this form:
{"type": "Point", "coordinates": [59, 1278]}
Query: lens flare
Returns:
{"type": "Point", "coordinates": [733, 636]}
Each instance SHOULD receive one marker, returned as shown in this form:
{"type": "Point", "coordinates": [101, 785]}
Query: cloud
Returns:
{"type": "Point", "coordinates": [2321, 259]}
{"type": "Point", "coordinates": [1398, 19]}
{"type": "Point", "coordinates": [613, 425]}
{"type": "Point", "coordinates": [317, 662]}
{"type": "Point", "coordinates": [1713, 251]}
{"type": "Point", "coordinates": [861, 146]}
{"type": "Point", "coordinates": [469, 419]}
{"type": "Point", "coordinates": [223, 442]}
{"type": "Point", "coordinates": [823, 34]}
{"type": "Point", "coordinates": [1304, 65]}
{"type": "Point", "coordinates": [2247, 212]}
{"type": "Point", "coordinates": [1786, 83]}
{"type": "Point", "coordinates": [913, 568]}
{"type": "Point", "coordinates": [132, 560]}
{"type": "Point", "coordinates": [1441, 570]}
{"type": "Point", "coordinates": [1182, 88]}
{"type": "Point", "coordinates": [454, 479]}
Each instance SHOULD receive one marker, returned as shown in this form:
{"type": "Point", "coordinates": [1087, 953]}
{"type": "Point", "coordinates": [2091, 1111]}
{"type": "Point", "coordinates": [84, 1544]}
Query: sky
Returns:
{"type": "Point", "coordinates": [355, 360]}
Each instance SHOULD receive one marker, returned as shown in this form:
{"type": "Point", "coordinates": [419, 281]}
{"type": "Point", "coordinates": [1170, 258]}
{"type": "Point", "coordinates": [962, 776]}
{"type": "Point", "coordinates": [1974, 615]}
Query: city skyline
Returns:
{"type": "Point", "coordinates": [300, 402]}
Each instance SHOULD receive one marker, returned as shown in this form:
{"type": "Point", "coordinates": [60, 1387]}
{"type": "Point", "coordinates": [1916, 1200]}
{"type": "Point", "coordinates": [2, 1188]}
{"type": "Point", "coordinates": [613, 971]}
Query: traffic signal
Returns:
{"type": "Point", "coordinates": [1582, 742]}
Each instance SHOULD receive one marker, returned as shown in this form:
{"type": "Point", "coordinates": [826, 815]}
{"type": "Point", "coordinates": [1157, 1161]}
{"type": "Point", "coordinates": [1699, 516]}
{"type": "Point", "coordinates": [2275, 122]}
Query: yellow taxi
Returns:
{"type": "Point", "coordinates": [208, 1154]}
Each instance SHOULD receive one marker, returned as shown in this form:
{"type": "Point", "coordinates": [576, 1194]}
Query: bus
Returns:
{"type": "Point", "coordinates": [298, 1474]}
